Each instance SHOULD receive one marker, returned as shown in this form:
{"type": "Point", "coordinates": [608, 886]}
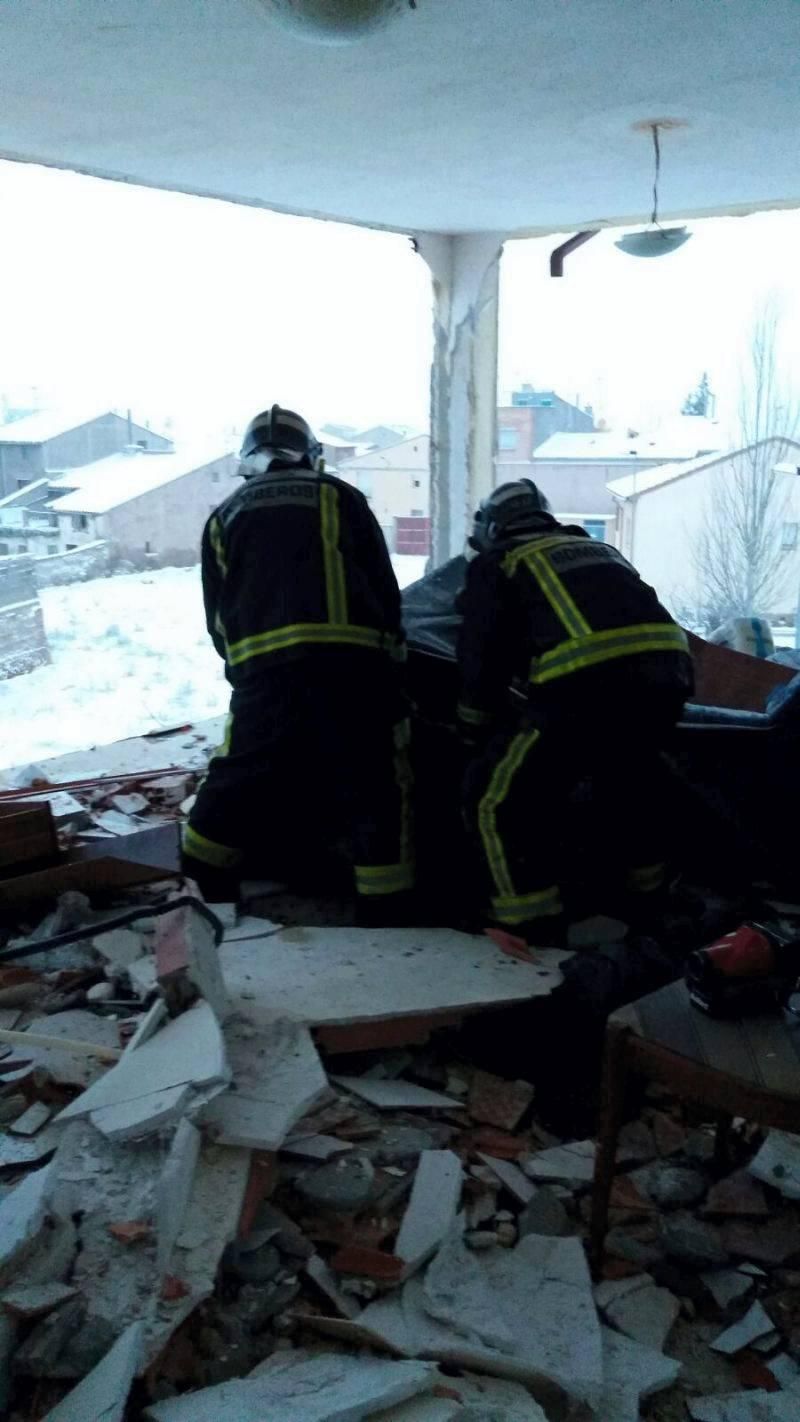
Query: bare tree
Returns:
{"type": "Point", "coordinates": [739, 555]}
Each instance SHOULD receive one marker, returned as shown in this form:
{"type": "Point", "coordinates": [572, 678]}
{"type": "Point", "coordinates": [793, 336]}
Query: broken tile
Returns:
{"type": "Point", "coordinates": [374, 1263]}
{"type": "Point", "coordinates": [119, 948]}
{"type": "Point", "coordinates": [303, 1387]}
{"type": "Point", "coordinates": [475, 1399]}
{"type": "Point", "coordinates": [432, 1209]}
{"type": "Point", "coordinates": [744, 1407]}
{"type": "Point", "coordinates": [497, 1102]}
{"type": "Point", "coordinates": [396, 1095]}
{"type": "Point", "coordinates": [142, 976]}
{"type": "Point", "coordinates": [544, 1214]}
{"type": "Point", "coordinates": [511, 1177]}
{"type": "Point", "coordinates": [738, 1194]}
{"type": "Point", "coordinates": [32, 1120]}
{"type": "Point", "coordinates": [571, 1165]}
{"type": "Point", "coordinates": [186, 1055]}
{"type": "Point", "coordinates": [755, 1324]}
{"type": "Point", "coordinates": [768, 1343]}
{"type": "Point", "coordinates": [34, 1300]}
{"type": "Point", "coordinates": [115, 822]}
{"type": "Point", "coordinates": [175, 1188]}
{"type": "Point", "coordinates": [778, 1163]}
{"type": "Point", "coordinates": [647, 1315]}
{"type": "Point", "coordinates": [771, 1243]}
{"type": "Point", "coordinates": [727, 1285]}
{"type": "Point", "coordinates": [277, 1078]}
{"type": "Point", "coordinates": [609, 1290]}
{"type": "Point", "coordinates": [103, 1394]}
{"type": "Point", "coordinates": [356, 975]}
{"type": "Point", "coordinates": [319, 1147]}
{"type": "Point", "coordinates": [22, 1216]}
{"type": "Point", "coordinates": [631, 1373]}
{"type": "Point", "coordinates": [132, 804]}
{"type": "Point", "coordinates": [786, 1371]}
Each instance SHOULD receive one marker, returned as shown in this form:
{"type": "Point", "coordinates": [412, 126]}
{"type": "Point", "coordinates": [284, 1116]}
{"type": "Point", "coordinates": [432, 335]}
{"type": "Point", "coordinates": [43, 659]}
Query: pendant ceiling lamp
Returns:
{"type": "Point", "coordinates": [335, 21]}
{"type": "Point", "coordinates": [656, 241]}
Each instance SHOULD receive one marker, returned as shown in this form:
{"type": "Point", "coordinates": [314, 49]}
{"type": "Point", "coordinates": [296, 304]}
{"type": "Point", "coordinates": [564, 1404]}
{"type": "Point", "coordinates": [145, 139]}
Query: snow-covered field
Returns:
{"type": "Point", "coordinates": [130, 654]}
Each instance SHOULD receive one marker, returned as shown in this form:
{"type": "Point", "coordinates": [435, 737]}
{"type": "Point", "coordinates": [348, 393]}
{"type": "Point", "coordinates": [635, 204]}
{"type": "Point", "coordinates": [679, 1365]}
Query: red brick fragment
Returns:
{"type": "Point", "coordinates": [173, 1289]}
{"type": "Point", "coordinates": [372, 1263]}
{"type": "Point", "coordinates": [130, 1231]}
{"type": "Point", "coordinates": [753, 1372]}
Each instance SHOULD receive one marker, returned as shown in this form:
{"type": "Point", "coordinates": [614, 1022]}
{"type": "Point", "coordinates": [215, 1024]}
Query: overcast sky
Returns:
{"type": "Point", "coordinates": [205, 311]}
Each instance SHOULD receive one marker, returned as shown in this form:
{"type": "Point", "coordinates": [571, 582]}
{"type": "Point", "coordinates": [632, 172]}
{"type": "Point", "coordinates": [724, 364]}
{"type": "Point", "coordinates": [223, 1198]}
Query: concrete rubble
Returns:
{"type": "Point", "coordinates": [257, 1181]}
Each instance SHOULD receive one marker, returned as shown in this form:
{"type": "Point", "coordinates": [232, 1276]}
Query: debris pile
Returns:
{"type": "Point", "coordinates": [256, 1177]}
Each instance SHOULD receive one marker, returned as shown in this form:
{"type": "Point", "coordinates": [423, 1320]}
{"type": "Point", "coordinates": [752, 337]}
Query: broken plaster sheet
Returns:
{"type": "Point", "coordinates": [571, 1165]}
{"type": "Point", "coordinates": [277, 1078]}
{"type": "Point", "coordinates": [175, 1188]}
{"type": "Point", "coordinates": [744, 1407]}
{"type": "Point", "coordinates": [755, 1324]}
{"type": "Point", "coordinates": [778, 1163]}
{"type": "Point", "coordinates": [479, 1398]}
{"type": "Point", "coordinates": [303, 1387]}
{"type": "Point", "coordinates": [397, 1095]}
{"type": "Point", "coordinates": [536, 1299]}
{"type": "Point", "coordinates": [330, 976]}
{"type": "Point", "coordinates": [22, 1215]}
{"type": "Point", "coordinates": [157, 1083]}
{"type": "Point", "coordinates": [632, 1373]}
{"type": "Point", "coordinates": [210, 1222]}
{"type": "Point", "coordinates": [65, 1067]}
{"type": "Point", "coordinates": [103, 1394]}
{"type": "Point", "coordinates": [432, 1209]}
{"type": "Point", "coordinates": [511, 1177]}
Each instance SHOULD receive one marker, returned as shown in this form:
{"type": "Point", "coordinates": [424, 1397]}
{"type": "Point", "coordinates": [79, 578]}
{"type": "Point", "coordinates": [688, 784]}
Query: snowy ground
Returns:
{"type": "Point", "coordinates": [130, 654]}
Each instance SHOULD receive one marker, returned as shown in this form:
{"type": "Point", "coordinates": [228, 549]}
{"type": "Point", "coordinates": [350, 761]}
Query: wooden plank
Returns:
{"type": "Point", "coordinates": [27, 833]}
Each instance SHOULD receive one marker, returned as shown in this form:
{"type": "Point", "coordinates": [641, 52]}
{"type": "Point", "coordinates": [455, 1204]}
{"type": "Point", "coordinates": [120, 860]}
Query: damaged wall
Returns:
{"type": "Point", "coordinates": [23, 640]}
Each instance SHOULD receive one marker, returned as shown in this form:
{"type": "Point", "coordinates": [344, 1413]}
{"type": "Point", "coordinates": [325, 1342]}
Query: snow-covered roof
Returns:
{"type": "Point", "coordinates": [49, 424]}
{"type": "Point", "coordinates": [97, 488]}
{"type": "Point", "coordinates": [630, 486]}
{"type": "Point", "coordinates": [683, 437]}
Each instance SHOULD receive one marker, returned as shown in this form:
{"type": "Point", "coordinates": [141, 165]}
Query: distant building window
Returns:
{"type": "Point", "coordinates": [789, 536]}
{"type": "Point", "coordinates": [52, 547]}
{"type": "Point", "coordinates": [416, 483]}
{"type": "Point", "coordinates": [22, 547]}
{"type": "Point", "coordinates": [215, 476]}
{"type": "Point", "coordinates": [417, 513]}
{"type": "Point", "coordinates": [596, 528]}
{"type": "Point", "coordinates": [80, 523]}
{"type": "Point", "coordinates": [23, 483]}
{"type": "Point", "coordinates": [3, 550]}
{"type": "Point", "coordinates": [147, 547]}
{"type": "Point", "coordinates": [507, 437]}
{"type": "Point", "coordinates": [71, 547]}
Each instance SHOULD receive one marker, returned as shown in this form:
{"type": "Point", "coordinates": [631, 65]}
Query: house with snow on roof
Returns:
{"type": "Point", "coordinates": [661, 513]}
{"type": "Point", "coordinates": [145, 503]}
{"type": "Point", "coordinates": [53, 440]}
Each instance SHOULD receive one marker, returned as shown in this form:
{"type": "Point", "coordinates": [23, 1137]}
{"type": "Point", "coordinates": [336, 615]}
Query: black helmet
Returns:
{"type": "Point", "coordinates": [511, 512]}
{"type": "Point", "coordinates": [280, 434]}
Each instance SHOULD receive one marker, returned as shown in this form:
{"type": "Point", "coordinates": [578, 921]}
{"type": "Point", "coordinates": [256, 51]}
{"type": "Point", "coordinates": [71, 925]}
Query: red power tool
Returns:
{"type": "Point", "coordinates": [753, 970]}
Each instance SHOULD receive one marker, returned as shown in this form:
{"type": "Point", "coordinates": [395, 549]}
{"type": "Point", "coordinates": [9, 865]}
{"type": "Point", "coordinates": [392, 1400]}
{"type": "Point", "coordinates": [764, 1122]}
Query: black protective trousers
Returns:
{"type": "Point", "coordinates": [315, 754]}
{"type": "Point", "coordinates": [518, 798]}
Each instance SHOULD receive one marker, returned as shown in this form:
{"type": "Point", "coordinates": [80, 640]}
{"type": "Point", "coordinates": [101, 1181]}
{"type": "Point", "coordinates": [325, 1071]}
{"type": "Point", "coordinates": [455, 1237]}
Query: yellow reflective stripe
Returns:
{"type": "Point", "coordinates": [519, 908]}
{"type": "Point", "coordinates": [582, 652]}
{"type": "Point", "coordinates": [535, 545]}
{"type": "Point", "coordinates": [335, 586]}
{"type": "Point", "coordinates": [225, 748]}
{"type": "Point", "coordinates": [384, 879]}
{"type": "Point", "coordinates": [562, 603]}
{"type": "Point", "coordinates": [471, 716]}
{"type": "Point", "coordinates": [299, 632]}
{"type": "Point", "coordinates": [220, 856]}
{"type": "Point", "coordinates": [215, 537]}
{"type": "Point", "coordinates": [496, 792]}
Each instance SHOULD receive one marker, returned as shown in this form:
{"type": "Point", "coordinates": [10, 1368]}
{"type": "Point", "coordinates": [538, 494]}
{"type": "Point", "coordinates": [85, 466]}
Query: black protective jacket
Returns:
{"type": "Point", "coordinates": [562, 616]}
{"type": "Point", "coordinates": [295, 561]}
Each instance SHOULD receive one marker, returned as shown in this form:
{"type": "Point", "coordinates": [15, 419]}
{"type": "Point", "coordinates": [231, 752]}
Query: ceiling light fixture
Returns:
{"type": "Point", "coordinates": [335, 21]}
{"type": "Point", "coordinates": [657, 240]}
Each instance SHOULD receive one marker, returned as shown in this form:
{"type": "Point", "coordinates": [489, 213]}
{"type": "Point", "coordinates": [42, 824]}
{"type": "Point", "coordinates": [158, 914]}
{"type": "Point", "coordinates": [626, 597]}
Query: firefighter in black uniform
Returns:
{"type": "Point", "coordinates": [605, 673]}
{"type": "Point", "coordinates": [303, 605]}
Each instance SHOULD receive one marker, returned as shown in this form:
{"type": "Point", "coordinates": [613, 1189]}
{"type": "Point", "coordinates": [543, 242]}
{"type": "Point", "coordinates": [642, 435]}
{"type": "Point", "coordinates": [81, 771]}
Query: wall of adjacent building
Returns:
{"type": "Point", "coordinates": [167, 523]}
{"type": "Point", "coordinates": [23, 640]}
{"type": "Point", "coordinates": [89, 442]}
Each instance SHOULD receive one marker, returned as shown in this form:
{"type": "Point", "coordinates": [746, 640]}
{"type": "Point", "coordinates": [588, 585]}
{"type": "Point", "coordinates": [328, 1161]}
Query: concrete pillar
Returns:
{"type": "Point", "coordinates": [463, 380]}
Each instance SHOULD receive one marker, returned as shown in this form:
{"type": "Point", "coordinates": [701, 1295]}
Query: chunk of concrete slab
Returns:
{"type": "Point", "coordinates": [187, 1053]}
{"type": "Point", "coordinates": [458, 1294]}
{"type": "Point", "coordinates": [727, 1285]}
{"type": "Point", "coordinates": [277, 1078]}
{"type": "Point", "coordinates": [755, 1406]}
{"type": "Point", "coordinates": [22, 1215]}
{"type": "Point", "coordinates": [303, 1387]}
{"type": "Point", "coordinates": [647, 1315]}
{"type": "Point", "coordinates": [131, 1120]}
{"type": "Point", "coordinates": [778, 1163]}
{"type": "Point", "coordinates": [175, 1188]}
{"type": "Point", "coordinates": [755, 1324]}
{"type": "Point", "coordinates": [103, 1394]}
{"type": "Point", "coordinates": [511, 1177]}
{"type": "Point", "coordinates": [571, 1165]}
{"type": "Point", "coordinates": [72, 1068]}
{"type": "Point", "coordinates": [34, 1300]}
{"type": "Point", "coordinates": [397, 1095]}
{"type": "Point", "coordinates": [319, 1147]}
{"type": "Point", "coordinates": [337, 976]}
{"type": "Point", "coordinates": [432, 1209]}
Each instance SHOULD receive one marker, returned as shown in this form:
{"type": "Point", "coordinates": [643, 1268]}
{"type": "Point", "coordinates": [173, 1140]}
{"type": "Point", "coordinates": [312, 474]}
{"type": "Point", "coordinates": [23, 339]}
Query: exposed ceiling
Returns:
{"type": "Point", "coordinates": [508, 115]}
